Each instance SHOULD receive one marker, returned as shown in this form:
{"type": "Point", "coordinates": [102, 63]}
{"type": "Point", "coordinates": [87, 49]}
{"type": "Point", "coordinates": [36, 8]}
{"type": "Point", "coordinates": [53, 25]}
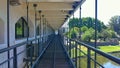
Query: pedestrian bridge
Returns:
{"type": "Point", "coordinates": [31, 36]}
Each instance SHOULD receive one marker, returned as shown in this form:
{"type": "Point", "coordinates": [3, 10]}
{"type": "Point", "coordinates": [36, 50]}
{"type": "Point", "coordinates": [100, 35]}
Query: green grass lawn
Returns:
{"type": "Point", "coordinates": [102, 48]}
{"type": "Point", "coordinates": [109, 48]}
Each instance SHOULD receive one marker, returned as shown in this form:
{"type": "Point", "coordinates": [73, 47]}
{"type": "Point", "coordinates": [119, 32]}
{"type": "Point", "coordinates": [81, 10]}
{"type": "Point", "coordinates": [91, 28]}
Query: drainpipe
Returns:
{"type": "Point", "coordinates": [27, 4]}
{"type": "Point", "coordinates": [40, 21]}
{"type": "Point", "coordinates": [40, 47]}
{"type": "Point", "coordinates": [43, 29]}
{"type": "Point", "coordinates": [8, 32]}
{"type": "Point", "coordinates": [27, 7]}
{"type": "Point", "coordinates": [35, 5]}
{"type": "Point", "coordinates": [80, 23]}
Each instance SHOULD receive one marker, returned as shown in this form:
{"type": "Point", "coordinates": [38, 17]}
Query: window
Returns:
{"type": "Point", "coordinates": [21, 29]}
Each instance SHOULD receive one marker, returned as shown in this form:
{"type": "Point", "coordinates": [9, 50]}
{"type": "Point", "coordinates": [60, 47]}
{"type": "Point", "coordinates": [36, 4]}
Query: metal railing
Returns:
{"type": "Point", "coordinates": [36, 63]}
{"type": "Point", "coordinates": [75, 51]}
{"type": "Point", "coordinates": [67, 54]}
{"type": "Point", "coordinates": [31, 57]}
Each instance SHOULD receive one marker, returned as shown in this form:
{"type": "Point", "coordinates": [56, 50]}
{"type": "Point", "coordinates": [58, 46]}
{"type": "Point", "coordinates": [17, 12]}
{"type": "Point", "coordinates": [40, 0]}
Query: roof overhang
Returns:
{"type": "Point", "coordinates": [56, 12]}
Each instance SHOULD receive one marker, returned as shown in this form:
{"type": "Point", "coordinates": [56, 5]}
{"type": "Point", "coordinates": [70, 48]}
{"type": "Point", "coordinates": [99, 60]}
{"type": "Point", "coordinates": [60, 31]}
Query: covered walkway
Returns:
{"type": "Point", "coordinates": [28, 39]}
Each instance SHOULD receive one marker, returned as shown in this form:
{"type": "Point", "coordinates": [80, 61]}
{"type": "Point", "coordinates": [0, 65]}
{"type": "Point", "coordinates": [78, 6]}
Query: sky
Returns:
{"type": "Point", "coordinates": [106, 9]}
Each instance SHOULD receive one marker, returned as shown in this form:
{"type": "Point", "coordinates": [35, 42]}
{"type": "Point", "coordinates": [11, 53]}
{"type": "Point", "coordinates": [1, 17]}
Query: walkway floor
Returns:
{"type": "Point", "coordinates": [55, 56]}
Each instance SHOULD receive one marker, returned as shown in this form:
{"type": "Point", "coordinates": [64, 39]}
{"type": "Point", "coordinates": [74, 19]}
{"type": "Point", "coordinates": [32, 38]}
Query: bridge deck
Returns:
{"type": "Point", "coordinates": [55, 56]}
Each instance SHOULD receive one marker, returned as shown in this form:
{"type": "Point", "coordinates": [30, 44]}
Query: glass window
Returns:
{"type": "Point", "coordinates": [21, 29]}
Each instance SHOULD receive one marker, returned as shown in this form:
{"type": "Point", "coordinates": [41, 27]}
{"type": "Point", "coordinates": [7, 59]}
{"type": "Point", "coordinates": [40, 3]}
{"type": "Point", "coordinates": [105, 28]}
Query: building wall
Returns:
{"type": "Point", "coordinates": [16, 12]}
{"type": "Point", "coordinates": [2, 29]}
{"type": "Point", "coordinates": [3, 23]}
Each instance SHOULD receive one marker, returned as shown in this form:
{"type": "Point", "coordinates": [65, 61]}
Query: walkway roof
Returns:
{"type": "Point", "coordinates": [56, 12]}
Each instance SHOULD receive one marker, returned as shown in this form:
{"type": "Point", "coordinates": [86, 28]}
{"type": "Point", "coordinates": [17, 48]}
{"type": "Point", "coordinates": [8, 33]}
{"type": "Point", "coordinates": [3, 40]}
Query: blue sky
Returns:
{"type": "Point", "coordinates": [106, 9]}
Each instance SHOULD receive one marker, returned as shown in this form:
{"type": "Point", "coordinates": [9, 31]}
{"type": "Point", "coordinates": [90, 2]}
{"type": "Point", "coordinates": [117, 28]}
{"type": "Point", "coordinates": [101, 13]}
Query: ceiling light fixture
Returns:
{"type": "Point", "coordinates": [14, 2]}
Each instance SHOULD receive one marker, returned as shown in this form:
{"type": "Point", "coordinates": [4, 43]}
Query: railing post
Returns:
{"type": "Point", "coordinates": [67, 44]}
{"type": "Point", "coordinates": [38, 47]}
{"type": "Point", "coordinates": [15, 58]}
{"type": "Point", "coordinates": [80, 22]}
{"type": "Point", "coordinates": [80, 57]}
{"type": "Point", "coordinates": [76, 54]}
{"type": "Point", "coordinates": [96, 8]}
{"type": "Point", "coordinates": [40, 44]}
{"type": "Point", "coordinates": [73, 49]}
{"type": "Point", "coordinates": [70, 48]}
{"type": "Point", "coordinates": [31, 54]}
{"type": "Point", "coordinates": [88, 58]}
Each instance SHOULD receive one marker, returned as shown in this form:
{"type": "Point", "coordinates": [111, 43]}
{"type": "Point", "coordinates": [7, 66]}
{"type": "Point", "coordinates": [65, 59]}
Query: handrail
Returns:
{"type": "Point", "coordinates": [89, 49]}
{"type": "Point", "coordinates": [67, 53]}
{"type": "Point", "coordinates": [13, 57]}
{"type": "Point", "coordinates": [14, 48]}
{"type": "Point", "coordinates": [15, 54]}
{"type": "Point", "coordinates": [16, 45]}
{"type": "Point", "coordinates": [91, 58]}
{"type": "Point", "coordinates": [113, 58]}
{"type": "Point", "coordinates": [54, 56]}
{"type": "Point", "coordinates": [34, 65]}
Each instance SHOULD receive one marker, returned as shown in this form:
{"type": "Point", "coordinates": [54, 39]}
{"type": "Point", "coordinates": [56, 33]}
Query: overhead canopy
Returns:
{"type": "Point", "coordinates": [56, 12]}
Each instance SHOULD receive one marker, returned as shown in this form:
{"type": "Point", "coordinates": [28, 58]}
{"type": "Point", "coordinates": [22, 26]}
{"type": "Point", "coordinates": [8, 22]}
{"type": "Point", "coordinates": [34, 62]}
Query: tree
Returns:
{"type": "Point", "coordinates": [88, 35]}
{"type": "Point", "coordinates": [113, 34]}
{"type": "Point", "coordinates": [114, 24]}
{"type": "Point", "coordinates": [88, 22]}
{"type": "Point", "coordinates": [107, 33]}
{"type": "Point", "coordinates": [87, 28]}
{"type": "Point", "coordinates": [73, 33]}
{"type": "Point", "coordinates": [84, 28]}
{"type": "Point", "coordinates": [73, 23]}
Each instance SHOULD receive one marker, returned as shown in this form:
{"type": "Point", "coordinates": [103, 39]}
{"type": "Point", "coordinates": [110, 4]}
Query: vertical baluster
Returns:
{"type": "Point", "coordinates": [80, 56]}
{"type": "Point", "coordinates": [70, 48]}
{"type": "Point", "coordinates": [38, 47]}
{"type": "Point", "coordinates": [76, 54]}
{"type": "Point", "coordinates": [31, 53]}
{"type": "Point", "coordinates": [88, 58]}
{"type": "Point", "coordinates": [73, 47]}
{"type": "Point", "coordinates": [15, 58]}
{"type": "Point", "coordinates": [67, 44]}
